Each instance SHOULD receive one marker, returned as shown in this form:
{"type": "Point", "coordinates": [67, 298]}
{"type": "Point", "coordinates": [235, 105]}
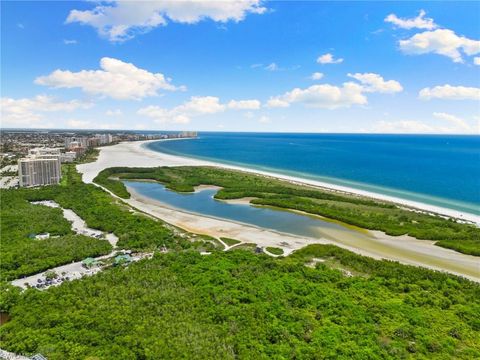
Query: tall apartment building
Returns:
{"type": "Point", "coordinates": [39, 171]}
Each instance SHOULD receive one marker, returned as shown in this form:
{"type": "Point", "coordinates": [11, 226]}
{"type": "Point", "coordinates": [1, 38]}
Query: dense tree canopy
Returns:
{"type": "Point", "coordinates": [246, 306]}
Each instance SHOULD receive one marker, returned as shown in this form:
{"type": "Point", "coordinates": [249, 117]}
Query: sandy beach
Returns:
{"type": "Point", "coordinates": [378, 245]}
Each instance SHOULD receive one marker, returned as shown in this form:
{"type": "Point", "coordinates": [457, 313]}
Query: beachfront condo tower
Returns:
{"type": "Point", "coordinates": [38, 172]}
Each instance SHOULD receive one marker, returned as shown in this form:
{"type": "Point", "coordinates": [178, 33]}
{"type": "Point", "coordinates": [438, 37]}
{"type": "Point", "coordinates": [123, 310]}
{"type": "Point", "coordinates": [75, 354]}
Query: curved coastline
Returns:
{"type": "Point", "coordinates": [138, 154]}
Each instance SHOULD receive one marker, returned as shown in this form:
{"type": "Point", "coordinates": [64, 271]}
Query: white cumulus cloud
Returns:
{"type": "Point", "coordinates": [79, 124]}
{"type": "Point", "coordinates": [476, 60]}
{"type": "Point", "coordinates": [264, 120]}
{"type": "Point", "coordinates": [375, 83]}
{"type": "Point", "coordinates": [419, 22]}
{"type": "Point", "coordinates": [195, 106]}
{"type": "Point", "coordinates": [402, 127]}
{"type": "Point", "coordinates": [454, 125]}
{"type": "Point", "coordinates": [244, 104]}
{"type": "Point", "coordinates": [441, 41]}
{"type": "Point", "coordinates": [163, 116]}
{"type": "Point", "coordinates": [277, 102]}
{"type": "Point", "coordinates": [449, 92]}
{"type": "Point", "coordinates": [116, 112]}
{"type": "Point", "coordinates": [322, 96]}
{"type": "Point", "coordinates": [328, 59]}
{"type": "Point", "coordinates": [116, 79]}
{"type": "Point", "coordinates": [198, 105]}
{"type": "Point", "coordinates": [316, 76]}
{"type": "Point", "coordinates": [329, 96]}
{"type": "Point", "coordinates": [122, 20]}
{"type": "Point", "coordinates": [28, 112]}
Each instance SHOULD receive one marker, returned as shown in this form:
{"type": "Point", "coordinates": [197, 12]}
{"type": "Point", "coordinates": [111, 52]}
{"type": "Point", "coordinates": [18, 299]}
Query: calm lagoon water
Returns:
{"type": "Point", "coordinates": [202, 202]}
{"type": "Point", "coordinates": [433, 169]}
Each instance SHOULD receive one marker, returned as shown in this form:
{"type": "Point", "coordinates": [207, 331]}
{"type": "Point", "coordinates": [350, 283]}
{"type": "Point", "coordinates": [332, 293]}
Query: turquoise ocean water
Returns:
{"type": "Point", "coordinates": [435, 169]}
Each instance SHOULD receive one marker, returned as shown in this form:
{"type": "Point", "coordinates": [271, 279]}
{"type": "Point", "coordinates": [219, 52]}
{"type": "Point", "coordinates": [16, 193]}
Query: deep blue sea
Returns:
{"type": "Point", "coordinates": [442, 170]}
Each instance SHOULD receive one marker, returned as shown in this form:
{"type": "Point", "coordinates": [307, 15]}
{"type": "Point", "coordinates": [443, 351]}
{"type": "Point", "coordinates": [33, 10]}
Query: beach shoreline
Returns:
{"type": "Point", "coordinates": [137, 154]}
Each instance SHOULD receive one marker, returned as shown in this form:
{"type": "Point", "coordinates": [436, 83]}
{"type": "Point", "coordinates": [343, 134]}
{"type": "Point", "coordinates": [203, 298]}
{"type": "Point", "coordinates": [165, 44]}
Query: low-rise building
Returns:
{"type": "Point", "coordinates": [68, 157]}
{"type": "Point", "coordinates": [123, 259]}
{"type": "Point", "coordinates": [80, 151]}
{"type": "Point", "coordinates": [43, 152]}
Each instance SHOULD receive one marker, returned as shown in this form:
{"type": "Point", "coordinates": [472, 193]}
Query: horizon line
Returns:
{"type": "Point", "coordinates": [230, 132]}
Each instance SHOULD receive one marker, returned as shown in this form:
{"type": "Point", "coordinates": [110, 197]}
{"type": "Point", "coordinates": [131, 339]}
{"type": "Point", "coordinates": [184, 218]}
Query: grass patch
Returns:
{"type": "Point", "coordinates": [250, 247]}
{"type": "Point", "coordinates": [471, 247]}
{"type": "Point", "coordinates": [230, 242]}
{"type": "Point", "coordinates": [274, 250]}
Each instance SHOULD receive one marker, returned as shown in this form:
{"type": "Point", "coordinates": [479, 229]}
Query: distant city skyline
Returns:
{"type": "Point", "coordinates": [258, 66]}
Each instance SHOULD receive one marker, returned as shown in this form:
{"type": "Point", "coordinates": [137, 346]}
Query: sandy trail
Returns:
{"type": "Point", "coordinates": [78, 224]}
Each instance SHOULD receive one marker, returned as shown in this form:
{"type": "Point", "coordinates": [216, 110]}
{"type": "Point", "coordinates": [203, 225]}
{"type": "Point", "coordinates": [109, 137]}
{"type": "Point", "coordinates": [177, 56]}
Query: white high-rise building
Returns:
{"type": "Point", "coordinates": [39, 171]}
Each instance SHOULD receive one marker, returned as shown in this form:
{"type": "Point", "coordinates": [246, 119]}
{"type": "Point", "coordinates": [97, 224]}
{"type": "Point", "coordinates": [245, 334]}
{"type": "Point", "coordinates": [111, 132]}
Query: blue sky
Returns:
{"type": "Point", "coordinates": [387, 67]}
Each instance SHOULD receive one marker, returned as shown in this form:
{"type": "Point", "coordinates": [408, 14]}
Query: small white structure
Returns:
{"type": "Point", "coordinates": [68, 156]}
{"type": "Point", "coordinates": [42, 236]}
